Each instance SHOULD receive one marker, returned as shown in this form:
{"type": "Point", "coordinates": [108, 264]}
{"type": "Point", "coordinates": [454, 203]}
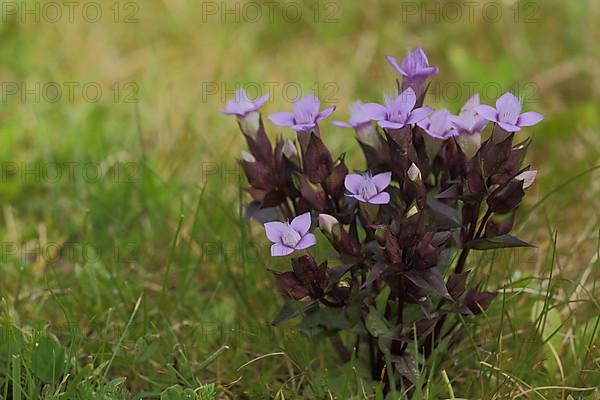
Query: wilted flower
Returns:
{"type": "Point", "coordinates": [415, 66]}
{"type": "Point", "coordinates": [245, 110]}
{"type": "Point", "coordinates": [287, 237]}
{"type": "Point", "coordinates": [398, 111]}
{"type": "Point", "coordinates": [507, 113]}
{"type": "Point", "coordinates": [367, 188]}
{"type": "Point", "coordinates": [438, 125]}
{"type": "Point", "coordinates": [305, 114]}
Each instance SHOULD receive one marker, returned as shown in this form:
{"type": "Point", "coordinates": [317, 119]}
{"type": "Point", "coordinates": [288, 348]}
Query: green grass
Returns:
{"type": "Point", "coordinates": [150, 277]}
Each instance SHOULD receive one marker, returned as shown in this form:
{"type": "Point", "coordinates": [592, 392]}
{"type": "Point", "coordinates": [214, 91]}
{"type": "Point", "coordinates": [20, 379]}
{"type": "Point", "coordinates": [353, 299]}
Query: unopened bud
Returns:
{"type": "Point", "coordinates": [249, 123]}
{"type": "Point", "coordinates": [367, 134]}
{"type": "Point", "coordinates": [528, 177]}
{"type": "Point", "coordinates": [469, 144]}
{"type": "Point", "coordinates": [289, 149]}
{"type": "Point", "coordinates": [414, 173]}
{"type": "Point", "coordinates": [248, 157]}
{"type": "Point", "coordinates": [327, 222]}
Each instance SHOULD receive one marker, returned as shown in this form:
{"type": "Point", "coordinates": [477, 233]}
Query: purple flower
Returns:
{"type": "Point", "coordinates": [241, 105]}
{"type": "Point", "coordinates": [358, 117]}
{"type": "Point", "coordinates": [508, 115]}
{"type": "Point", "coordinates": [304, 116]}
{"type": "Point", "coordinates": [439, 125]}
{"type": "Point", "coordinates": [398, 111]}
{"type": "Point", "coordinates": [468, 122]}
{"type": "Point", "coordinates": [414, 67]}
{"type": "Point", "coordinates": [367, 188]}
{"type": "Point", "coordinates": [287, 237]}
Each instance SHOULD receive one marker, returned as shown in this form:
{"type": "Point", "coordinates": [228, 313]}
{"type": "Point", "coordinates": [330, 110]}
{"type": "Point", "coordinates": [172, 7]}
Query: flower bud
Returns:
{"type": "Point", "coordinates": [367, 134]}
{"type": "Point", "coordinates": [327, 223]}
{"type": "Point", "coordinates": [250, 123]}
{"type": "Point", "coordinates": [469, 144]}
{"type": "Point", "coordinates": [528, 177]}
{"type": "Point", "coordinates": [414, 173]}
{"type": "Point", "coordinates": [289, 149]}
{"type": "Point", "coordinates": [248, 157]}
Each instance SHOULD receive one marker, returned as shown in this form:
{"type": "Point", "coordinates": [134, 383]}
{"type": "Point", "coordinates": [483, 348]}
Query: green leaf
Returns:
{"type": "Point", "coordinates": [48, 360]}
{"type": "Point", "coordinates": [288, 312]}
{"type": "Point", "coordinates": [382, 298]}
{"type": "Point", "coordinates": [375, 323]}
{"type": "Point", "coordinates": [172, 393]}
{"type": "Point", "coordinates": [407, 366]}
{"type": "Point", "coordinates": [498, 242]}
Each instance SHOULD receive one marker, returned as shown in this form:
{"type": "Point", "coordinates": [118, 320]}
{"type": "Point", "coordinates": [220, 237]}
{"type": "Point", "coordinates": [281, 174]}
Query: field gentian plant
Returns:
{"type": "Point", "coordinates": [401, 229]}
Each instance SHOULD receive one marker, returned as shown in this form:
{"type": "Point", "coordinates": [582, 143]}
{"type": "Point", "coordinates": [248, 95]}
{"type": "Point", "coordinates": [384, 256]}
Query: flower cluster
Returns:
{"type": "Point", "coordinates": [433, 190]}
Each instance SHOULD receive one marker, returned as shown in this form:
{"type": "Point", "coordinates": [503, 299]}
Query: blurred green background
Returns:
{"type": "Point", "coordinates": [127, 94]}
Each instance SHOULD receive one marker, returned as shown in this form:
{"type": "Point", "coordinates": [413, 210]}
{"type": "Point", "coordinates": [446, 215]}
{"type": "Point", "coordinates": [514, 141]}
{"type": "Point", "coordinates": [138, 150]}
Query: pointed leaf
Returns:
{"type": "Point", "coordinates": [498, 242]}
{"type": "Point", "coordinates": [430, 280]}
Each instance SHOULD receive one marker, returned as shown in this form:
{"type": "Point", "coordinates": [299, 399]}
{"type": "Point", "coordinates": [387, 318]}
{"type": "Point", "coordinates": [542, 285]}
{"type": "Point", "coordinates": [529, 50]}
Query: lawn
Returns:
{"type": "Point", "coordinates": [127, 264]}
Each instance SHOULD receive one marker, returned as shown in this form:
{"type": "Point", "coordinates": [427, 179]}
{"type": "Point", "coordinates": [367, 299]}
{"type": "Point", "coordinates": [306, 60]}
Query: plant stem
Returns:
{"type": "Point", "coordinates": [339, 346]}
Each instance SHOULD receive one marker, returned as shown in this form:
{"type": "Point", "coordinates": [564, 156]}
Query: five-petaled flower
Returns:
{"type": "Point", "coordinates": [398, 111]}
{"type": "Point", "coordinates": [508, 115]}
{"type": "Point", "coordinates": [367, 188]}
{"type": "Point", "coordinates": [290, 236]}
{"type": "Point", "coordinates": [305, 114]}
{"type": "Point", "coordinates": [414, 67]}
{"type": "Point", "coordinates": [468, 122]}
{"type": "Point", "coordinates": [438, 125]}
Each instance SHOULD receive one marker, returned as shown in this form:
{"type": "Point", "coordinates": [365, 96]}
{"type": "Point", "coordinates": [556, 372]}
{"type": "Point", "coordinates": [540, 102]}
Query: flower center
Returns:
{"type": "Point", "coordinates": [508, 117]}
{"type": "Point", "coordinates": [396, 116]}
{"type": "Point", "coordinates": [290, 238]}
{"type": "Point", "coordinates": [367, 189]}
{"type": "Point", "coordinates": [305, 118]}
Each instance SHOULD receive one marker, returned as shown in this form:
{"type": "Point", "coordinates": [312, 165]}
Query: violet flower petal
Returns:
{"type": "Point", "coordinates": [381, 181]}
{"type": "Point", "coordinates": [279, 250]}
{"type": "Point", "coordinates": [380, 198]}
{"type": "Point", "coordinates": [342, 124]}
{"type": "Point", "coordinates": [307, 241]}
{"type": "Point", "coordinates": [301, 223]}
{"type": "Point", "coordinates": [352, 182]}
{"type": "Point", "coordinates": [390, 125]}
{"type": "Point", "coordinates": [487, 112]}
{"type": "Point", "coordinates": [306, 109]}
{"type": "Point", "coordinates": [375, 111]}
{"type": "Point", "coordinates": [325, 113]}
{"type": "Point", "coordinates": [395, 65]}
{"type": "Point", "coordinates": [509, 127]}
{"type": "Point", "coordinates": [419, 114]}
{"type": "Point", "coordinates": [508, 108]}
{"type": "Point", "coordinates": [282, 118]}
{"type": "Point", "coordinates": [529, 118]}
{"type": "Point", "coordinates": [275, 230]}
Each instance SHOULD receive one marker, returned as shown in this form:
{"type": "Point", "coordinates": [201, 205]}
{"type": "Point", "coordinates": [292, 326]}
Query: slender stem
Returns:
{"type": "Point", "coordinates": [339, 346]}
